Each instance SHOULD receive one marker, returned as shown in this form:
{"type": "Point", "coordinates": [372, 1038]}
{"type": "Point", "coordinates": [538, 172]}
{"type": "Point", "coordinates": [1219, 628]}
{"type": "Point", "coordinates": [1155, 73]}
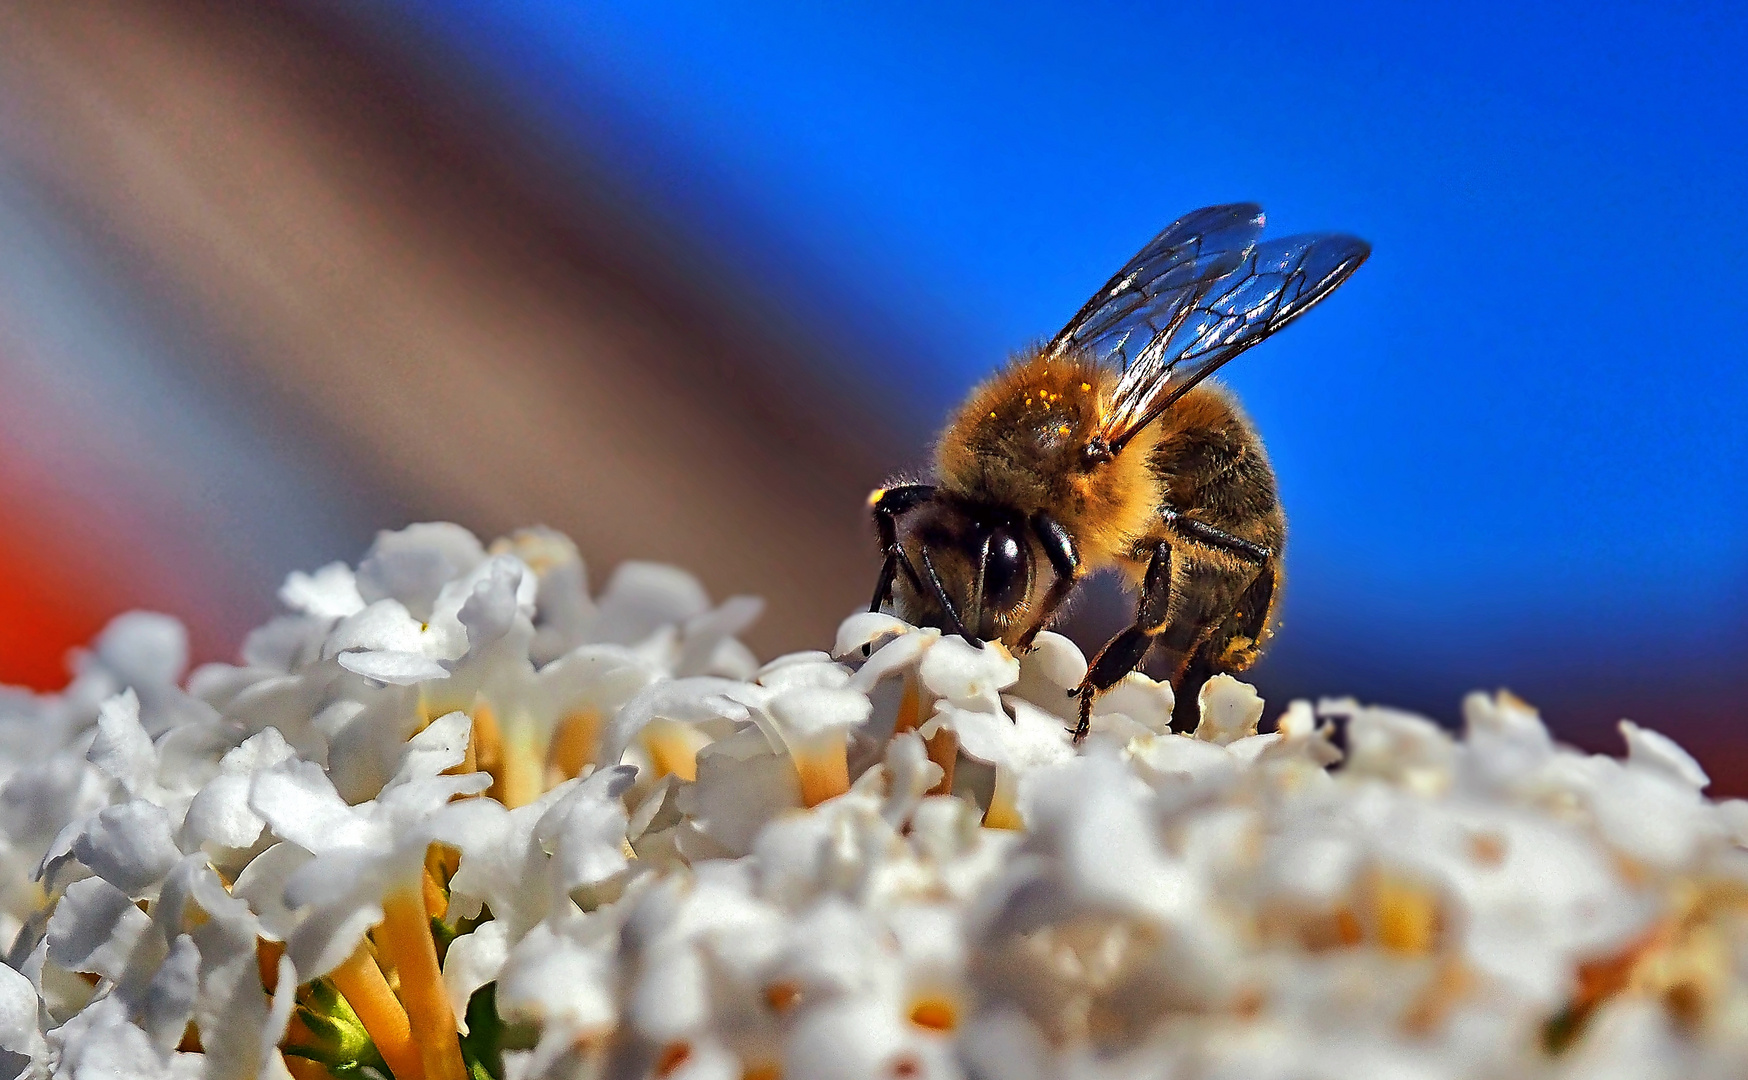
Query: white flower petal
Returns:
{"type": "Point", "coordinates": [392, 667]}
{"type": "Point", "coordinates": [704, 634]}
{"type": "Point", "coordinates": [219, 817]}
{"type": "Point", "coordinates": [132, 846]}
{"type": "Point", "coordinates": [562, 977]}
{"type": "Point", "coordinates": [811, 668]}
{"type": "Point", "coordinates": [585, 830]}
{"type": "Point", "coordinates": [1647, 749]}
{"type": "Point", "coordinates": [412, 566]}
{"type": "Point", "coordinates": [473, 960]}
{"type": "Point", "coordinates": [145, 650]}
{"type": "Point", "coordinates": [299, 803]}
{"type": "Point", "coordinates": [865, 628]}
{"type": "Point", "coordinates": [327, 936]}
{"type": "Point", "coordinates": [329, 593]}
{"type": "Point", "coordinates": [96, 928]}
{"type": "Point", "coordinates": [492, 602]}
{"type": "Point", "coordinates": [687, 701]}
{"type": "Point", "coordinates": [1230, 710]}
{"type": "Point", "coordinates": [899, 653]}
{"type": "Point", "coordinates": [968, 676]}
{"type": "Point", "coordinates": [807, 712]}
{"type": "Point", "coordinates": [122, 750]}
{"type": "Point", "coordinates": [1146, 702]}
{"type": "Point", "coordinates": [642, 597]}
{"type": "Point", "coordinates": [19, 1033]}
{"type": "Point", "coordinates": [169, 999]}
{"type": "Point", "coordinates": [442, 745]}
{"type": "Point", "coordinates": [102, 1044]}
{"type": "Point", "coordinates": [262, 884]}
{"type": "Point", "coordinates": [861, 1039]}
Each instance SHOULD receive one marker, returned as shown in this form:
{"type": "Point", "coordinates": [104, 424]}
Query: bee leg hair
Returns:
{"type": "Point", "coordinates": [1122, 653]}
{"type": "Point", "coordinates": [1059, 548]}
{"type": "Point", "coordinates": [1214, 536]}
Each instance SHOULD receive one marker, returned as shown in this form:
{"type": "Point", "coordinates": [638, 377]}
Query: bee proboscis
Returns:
{"type": "Point", "coordinates": [1105, 448]}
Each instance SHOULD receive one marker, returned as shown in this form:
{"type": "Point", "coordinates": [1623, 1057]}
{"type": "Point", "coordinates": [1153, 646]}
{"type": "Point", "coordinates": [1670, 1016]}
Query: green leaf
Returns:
{"type": "Point", "coordinates": [482, 1048]}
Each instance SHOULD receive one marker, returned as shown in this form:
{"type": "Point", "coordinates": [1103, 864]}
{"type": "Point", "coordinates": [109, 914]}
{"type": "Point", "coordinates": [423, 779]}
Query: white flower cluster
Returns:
{"type": "Point", "coordinates": [454, 818]}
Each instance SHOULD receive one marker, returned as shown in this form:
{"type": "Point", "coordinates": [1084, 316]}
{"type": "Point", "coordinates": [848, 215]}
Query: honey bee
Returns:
{"type": "Point", "coordinates": [1105, 448]}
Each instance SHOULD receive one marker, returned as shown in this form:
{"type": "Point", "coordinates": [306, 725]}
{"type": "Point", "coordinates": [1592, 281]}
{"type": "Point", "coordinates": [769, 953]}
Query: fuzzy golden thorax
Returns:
{"type": "Point", "coordinates": [1020, 442]}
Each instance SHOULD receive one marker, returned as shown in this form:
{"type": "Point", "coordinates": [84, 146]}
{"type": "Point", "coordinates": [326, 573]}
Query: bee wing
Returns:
{"type": "Point", "coordinates": [1151, 295]}
{"type": "Point", "coordinates": [1212, 321]}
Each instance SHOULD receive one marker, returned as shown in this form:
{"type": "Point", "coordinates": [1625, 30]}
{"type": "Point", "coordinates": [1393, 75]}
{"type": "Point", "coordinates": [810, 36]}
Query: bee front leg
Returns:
{"type": "Point", "coordinates": [887, 504]}
{"type": "Point", "coordinates": [1122, 653]}
{"type": "Point", "coordinates": [1059, 548]}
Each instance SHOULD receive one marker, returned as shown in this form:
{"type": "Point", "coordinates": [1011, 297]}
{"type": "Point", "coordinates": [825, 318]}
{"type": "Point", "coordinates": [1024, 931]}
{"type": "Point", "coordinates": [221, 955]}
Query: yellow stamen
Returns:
{"type": "Point", "coordinates": [909, 707]}
{"type": "Point", "coordinates": [943, 748]}
{"type": "Point", "coordinates": [365, 989]}
{"type": "Point", "coordinates": [574, 742]}
{"type": "Point", "coordinates": [1002, 813]}
{"type": "Point", "coordinates": [441, 862]}
{"type": "Point", "coordinates": [673, 748]}
{"type": "Point", "coordinates": [524, 770]}
{"type": "Point", "coordinates": [267, 954]}
{"type": "Point", "coordinates": [824, 768]}
{"type": "Point", "coordinates": [431, 892]}
{"type": "Point", "coordinates": [405, 937]}
{"type": "Point", "coordinates": [487, 741]}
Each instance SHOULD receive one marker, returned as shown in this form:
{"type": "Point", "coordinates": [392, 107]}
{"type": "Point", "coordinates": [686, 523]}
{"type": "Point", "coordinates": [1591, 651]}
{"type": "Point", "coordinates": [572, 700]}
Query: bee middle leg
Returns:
{"type": "Point", "coordinates": [1122, 653]}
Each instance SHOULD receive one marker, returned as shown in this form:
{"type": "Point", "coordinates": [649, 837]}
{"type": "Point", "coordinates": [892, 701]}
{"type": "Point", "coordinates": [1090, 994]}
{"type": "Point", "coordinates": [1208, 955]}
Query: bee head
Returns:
{"type": "Point", "coordinates": [974, 565]}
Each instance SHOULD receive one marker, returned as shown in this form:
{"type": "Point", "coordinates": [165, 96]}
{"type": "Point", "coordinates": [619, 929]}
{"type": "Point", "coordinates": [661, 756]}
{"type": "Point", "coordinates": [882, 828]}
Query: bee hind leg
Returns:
{"type": "Point", "coordinates": [1122, 653]}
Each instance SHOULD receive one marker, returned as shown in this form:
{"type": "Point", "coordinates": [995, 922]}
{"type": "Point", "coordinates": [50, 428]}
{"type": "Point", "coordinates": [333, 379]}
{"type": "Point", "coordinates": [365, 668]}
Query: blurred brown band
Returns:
{"type": "Point", "coordinates": [458, 333]}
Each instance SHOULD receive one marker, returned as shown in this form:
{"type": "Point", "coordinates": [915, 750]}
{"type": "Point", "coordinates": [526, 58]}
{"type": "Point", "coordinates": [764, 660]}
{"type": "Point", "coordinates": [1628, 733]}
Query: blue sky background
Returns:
{"type": "Point", "coordinates": [1521, 424]}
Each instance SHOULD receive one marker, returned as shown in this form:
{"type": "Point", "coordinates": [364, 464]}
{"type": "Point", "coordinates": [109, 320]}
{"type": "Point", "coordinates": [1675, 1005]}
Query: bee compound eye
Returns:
{"type": "Point", "coordinates": [1004, 579]}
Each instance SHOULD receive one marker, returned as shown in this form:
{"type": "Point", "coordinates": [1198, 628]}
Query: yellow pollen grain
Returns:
{"type": "Point", "coordinates": [1063, 430]}
{"type": "Point", "coordinates": [992, 414]}
{"type": "Point", "coordinates": [877, 494]}
{"type": "Point", "coordinates": [1086, 386]}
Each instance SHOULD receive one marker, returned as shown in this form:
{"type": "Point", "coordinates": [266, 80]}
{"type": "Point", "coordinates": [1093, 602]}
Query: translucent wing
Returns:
{"type": "Point", "coordinates": [1211, 321]}
{"type": "Point", "coordinates": [1151, 294]}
